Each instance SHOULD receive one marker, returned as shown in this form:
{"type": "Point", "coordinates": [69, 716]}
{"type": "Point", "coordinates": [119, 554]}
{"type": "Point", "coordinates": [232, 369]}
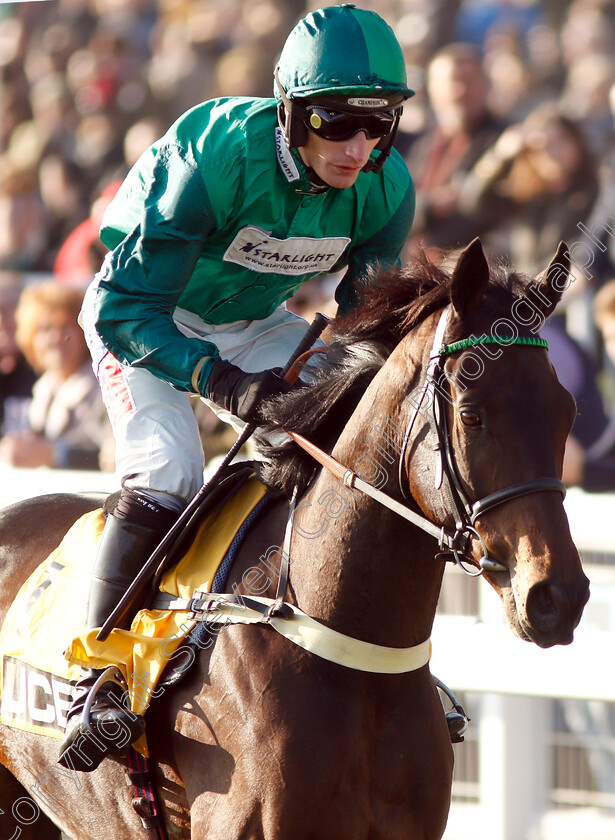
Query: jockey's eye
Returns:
{"type": "Point", "coordinates": [469, 417]}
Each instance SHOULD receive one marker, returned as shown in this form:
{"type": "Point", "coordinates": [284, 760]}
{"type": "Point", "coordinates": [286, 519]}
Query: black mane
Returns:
{"type": "Point", "coordinates": [391, 304]}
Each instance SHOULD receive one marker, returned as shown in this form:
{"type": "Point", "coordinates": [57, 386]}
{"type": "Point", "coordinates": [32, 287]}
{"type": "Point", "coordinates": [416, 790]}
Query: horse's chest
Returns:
{"type": "Point", "coordinates": [308, 750]}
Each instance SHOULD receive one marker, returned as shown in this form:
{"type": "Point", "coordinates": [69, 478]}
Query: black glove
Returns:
{"type": "Point", "coordinates": [243, 393]}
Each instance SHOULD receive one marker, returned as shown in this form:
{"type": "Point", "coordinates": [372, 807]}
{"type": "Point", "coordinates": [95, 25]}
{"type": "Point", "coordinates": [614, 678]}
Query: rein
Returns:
{"type": "Point", "coordinates": [466, 511]}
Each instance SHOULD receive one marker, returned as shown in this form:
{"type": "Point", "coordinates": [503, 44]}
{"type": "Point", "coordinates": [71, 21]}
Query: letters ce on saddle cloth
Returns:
{"type": "Point", "coordinates": [43, 644]}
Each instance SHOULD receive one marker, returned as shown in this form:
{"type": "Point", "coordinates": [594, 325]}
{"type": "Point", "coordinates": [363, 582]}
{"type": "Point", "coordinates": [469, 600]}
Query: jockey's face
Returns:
{"type": "Point", "coordinates": [337, 162]}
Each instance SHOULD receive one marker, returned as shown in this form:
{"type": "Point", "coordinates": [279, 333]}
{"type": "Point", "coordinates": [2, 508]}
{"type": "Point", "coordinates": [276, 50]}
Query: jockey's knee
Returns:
{"type": "Point", "coordinates": [162, 458]}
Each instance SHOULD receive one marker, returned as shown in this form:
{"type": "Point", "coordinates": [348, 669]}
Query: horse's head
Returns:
{"type": "Point", "coordinates": [485, 420]}
{"type": "Point", "coordinates": [495, 418]}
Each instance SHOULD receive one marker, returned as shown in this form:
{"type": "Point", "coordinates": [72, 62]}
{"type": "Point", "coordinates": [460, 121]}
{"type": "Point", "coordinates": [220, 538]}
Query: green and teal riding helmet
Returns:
{"type": "Point", "coordinates": [341, 70]}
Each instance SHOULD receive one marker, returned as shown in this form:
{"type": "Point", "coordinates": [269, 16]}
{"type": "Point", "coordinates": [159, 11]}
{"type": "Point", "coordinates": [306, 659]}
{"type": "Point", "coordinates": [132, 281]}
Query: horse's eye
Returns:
{"type": "Point", "coordinates": [470, 418]}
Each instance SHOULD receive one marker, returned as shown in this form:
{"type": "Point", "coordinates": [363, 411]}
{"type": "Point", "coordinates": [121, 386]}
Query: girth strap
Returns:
{"type": "Point", "coordinates": [302, 630]}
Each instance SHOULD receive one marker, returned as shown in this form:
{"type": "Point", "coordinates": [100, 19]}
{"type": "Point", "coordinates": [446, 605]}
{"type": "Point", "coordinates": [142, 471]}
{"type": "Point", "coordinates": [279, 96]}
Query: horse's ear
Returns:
{"type": "Point", "coordinates": [470, 278]}
{"type": "Point", "coordinates": [550, 285]}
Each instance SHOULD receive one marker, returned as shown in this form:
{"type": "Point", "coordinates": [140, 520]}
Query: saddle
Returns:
{"type": "Point", "coordinates": [40, 656]}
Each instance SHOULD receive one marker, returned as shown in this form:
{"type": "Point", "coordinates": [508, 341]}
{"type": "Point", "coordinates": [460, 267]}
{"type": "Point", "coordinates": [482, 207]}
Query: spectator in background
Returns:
{"type": "Point", "coordinates": [244, 68]}
{"type": "Point", "coordinates": [592, 466]}
{"type": "Point", "coordinates": [585, 99]}
{"type": "Point", "coordinates": [442, 157]}
{"type": "Point", "coordinates": [601, 223]}
{"type": "Point", "coordinates": [577, 373]}
{"type": "Point", "coordinates": [512, 87]}
{"type": "Point", "coordinates": [59, 182]}
{"type": "Point", "coordinates": [53, 114]}
{"type": "Point", "coordinates": [477, 19]}
{"type": "Point", "coordinates": [532, 189]}
{"type": "Point", "coordinates": [67, 422]}
{"type": "Point", "coordinates": [138, 138]}
{"type": "Point", "coordinates": [178, 74]}
{"type": "Point", "coordinates": [16, 375]}
{"type": "Point", "coordinates": [82, 251]}
{"type": "Point", "coordinates": [604, 314]}
{"type": "Point", "coordinates": [587, 29]}
{"type": "Point", "coordinates": [22, 220]}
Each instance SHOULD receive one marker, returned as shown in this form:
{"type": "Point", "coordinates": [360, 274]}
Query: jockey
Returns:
{"type": "Point", "coordinates": [213, 229]}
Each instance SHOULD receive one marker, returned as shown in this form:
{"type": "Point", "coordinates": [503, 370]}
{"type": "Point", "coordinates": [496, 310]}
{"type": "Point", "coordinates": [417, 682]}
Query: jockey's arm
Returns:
{"type": "Point", "coordinates": [145, 274]}
{"type": "Point", "coordinates": [382, 249]}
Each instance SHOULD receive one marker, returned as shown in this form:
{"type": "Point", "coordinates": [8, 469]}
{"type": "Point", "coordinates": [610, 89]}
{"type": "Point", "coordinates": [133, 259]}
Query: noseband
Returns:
{"type": "Point", "coordinates": [466, 512]}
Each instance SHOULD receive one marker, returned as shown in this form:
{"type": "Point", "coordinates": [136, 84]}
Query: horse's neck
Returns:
{"type": "Point", "coordinates": [356, 566]}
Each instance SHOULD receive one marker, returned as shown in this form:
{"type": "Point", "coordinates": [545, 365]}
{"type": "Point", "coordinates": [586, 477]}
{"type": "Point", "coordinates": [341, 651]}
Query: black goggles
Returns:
{"type": "Point", "coordinates": [341, 125]}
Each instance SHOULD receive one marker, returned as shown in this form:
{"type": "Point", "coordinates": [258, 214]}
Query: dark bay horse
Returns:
{"type": "Point", "coordinates": [263, 739]}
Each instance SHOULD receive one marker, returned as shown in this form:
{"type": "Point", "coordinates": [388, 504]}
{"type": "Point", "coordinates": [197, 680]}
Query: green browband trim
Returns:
{"type": "Point", "coordinates": [445, 349]}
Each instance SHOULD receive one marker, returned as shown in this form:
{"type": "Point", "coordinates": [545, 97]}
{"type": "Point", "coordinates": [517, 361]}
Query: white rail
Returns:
{"type": "Point", "coordinates": [516, 683]}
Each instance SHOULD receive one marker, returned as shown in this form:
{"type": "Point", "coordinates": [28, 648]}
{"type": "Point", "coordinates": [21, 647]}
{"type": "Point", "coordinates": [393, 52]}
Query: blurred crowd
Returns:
{"type": "Point", "coordinates": [511, 136]}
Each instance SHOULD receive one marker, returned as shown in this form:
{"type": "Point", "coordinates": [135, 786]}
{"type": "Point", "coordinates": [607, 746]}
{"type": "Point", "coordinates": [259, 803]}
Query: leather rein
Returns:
{"type": "Point", "coordinates": [452, 545]}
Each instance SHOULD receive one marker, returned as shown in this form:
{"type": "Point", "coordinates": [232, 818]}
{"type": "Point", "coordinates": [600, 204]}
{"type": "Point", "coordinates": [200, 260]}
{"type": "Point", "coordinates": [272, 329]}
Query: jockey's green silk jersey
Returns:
{"type": "Point", "coordinates": [216, 218]}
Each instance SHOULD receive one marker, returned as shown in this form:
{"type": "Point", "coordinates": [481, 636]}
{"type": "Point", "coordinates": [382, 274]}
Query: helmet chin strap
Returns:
{"type": "Point", "coordinates": [384, 147]}
{"type": "Point", "coordinates": [317, 185]}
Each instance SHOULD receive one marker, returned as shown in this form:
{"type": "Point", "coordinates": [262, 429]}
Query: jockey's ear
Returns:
{"type": "Point", "coordinates": [551, 284]}
{"type": "Point", "coordinates": [470, 279]}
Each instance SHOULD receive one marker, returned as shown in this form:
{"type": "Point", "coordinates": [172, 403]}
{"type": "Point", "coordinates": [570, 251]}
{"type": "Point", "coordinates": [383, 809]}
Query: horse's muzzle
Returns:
{"type": "Point", "coordinates": [552, 613]}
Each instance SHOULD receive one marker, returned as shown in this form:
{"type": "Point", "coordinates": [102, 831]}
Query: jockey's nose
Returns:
{"type": "Point", "coordinates": [357, 146]}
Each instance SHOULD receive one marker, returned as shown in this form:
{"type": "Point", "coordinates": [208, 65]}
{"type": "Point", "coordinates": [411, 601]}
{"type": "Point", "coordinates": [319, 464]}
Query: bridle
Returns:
{"type": "Point", "coordinates": [452, 545]}
{"type": "Point", "coordinates": [466, 512]}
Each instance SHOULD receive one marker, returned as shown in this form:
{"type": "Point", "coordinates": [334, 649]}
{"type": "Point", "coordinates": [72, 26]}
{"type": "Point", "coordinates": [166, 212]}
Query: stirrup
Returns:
{"type": "Point", "coordinates": [86, 743]}
{"type": "Point", "coordinates": [112, 674]}
{"type": "Point", "coordinates": [457, 720]}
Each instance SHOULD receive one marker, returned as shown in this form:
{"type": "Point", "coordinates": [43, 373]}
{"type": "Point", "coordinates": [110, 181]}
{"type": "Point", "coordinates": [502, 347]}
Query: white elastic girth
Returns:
{"type": "Point", "coordinates": [326, 643]}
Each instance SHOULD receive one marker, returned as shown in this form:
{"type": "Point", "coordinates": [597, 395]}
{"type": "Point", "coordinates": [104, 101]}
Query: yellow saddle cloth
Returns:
{"type": "Point", "coordinates": [43, 641]}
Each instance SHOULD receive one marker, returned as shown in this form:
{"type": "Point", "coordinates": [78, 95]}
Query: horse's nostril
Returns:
{"type": "Point", "coordinates": [547, 606]}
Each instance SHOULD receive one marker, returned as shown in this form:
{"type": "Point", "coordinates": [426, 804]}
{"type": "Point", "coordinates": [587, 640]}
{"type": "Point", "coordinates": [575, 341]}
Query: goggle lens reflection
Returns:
{"type": "Point", "coordinates": [340, 125]}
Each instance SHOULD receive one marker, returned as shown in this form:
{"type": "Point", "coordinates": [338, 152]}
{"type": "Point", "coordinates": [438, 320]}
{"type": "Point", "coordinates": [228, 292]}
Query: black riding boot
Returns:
{"type": "Point", "coordinates": [124, 548]}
